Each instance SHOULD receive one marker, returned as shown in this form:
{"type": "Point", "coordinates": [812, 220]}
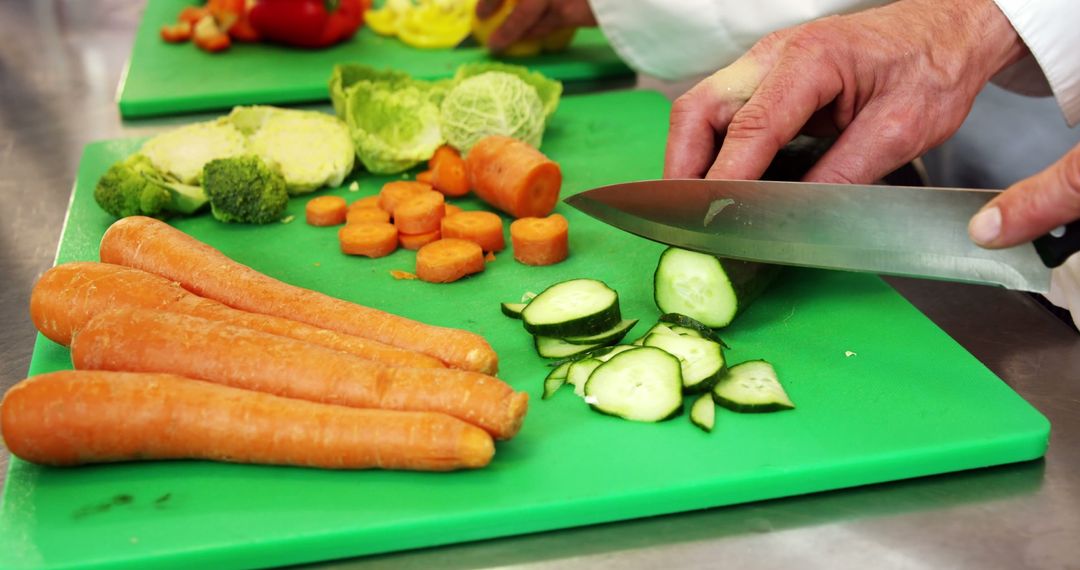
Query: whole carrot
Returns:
{"type": "Point", "coordinates": [68, 295]}
{"type": "Point", "coordinates": [141, 340]}
{"type": "Point", "coordinates": [154, 246]}
{"type": "Point", "coordinates": [77, 417]}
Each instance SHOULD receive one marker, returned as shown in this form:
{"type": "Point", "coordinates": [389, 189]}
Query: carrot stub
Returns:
{"type": "Point", "coordinates": [157, 247]}
{"type": "Point", "coordinates": [67, 296]}
{"type": "Point", "coordinates": [448, 175]}
{"type": "Point", "coordinates": [448, 260]}
{"type": "Point", "coordinates": [425, 177]}
{"type": "Point", "coordinates": [361, 215]}
{"type": "Point", "coordinates": [326, 211]}
{"type": "Point", "coordinates": [394, 193]}
{"type": "Point", "coordinates": [417, 241]}
{"type": "Point", "coordinates": [540, 241]}
{"type": "Point", "coordinates": [513, 177]}
{"type": "Point", "coordinates": [451, 209]}
{"type": "Point", "coordinates": [78, 417]}
{"type": "Point", "coordinates": [371, 239]}
{"type": "Point", "coordinates": [483, 228]}
{"type": "Point", "coordinates": [440, 153]}
{"type": "Point", "coordinates": [140, 340]}
{"type": "Point", "coordinates": [420, 213]}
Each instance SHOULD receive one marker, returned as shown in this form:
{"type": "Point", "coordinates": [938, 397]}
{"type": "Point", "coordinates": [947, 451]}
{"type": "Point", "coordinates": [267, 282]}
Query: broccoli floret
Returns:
{"type": "Point", "coordinates": [133, 187]}
{"type": "Point", "coordinates": [244, 189]}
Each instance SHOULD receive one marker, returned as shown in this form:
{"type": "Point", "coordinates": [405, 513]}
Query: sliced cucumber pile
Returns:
{"type": "Point", "coordinates": [579, 323]}
{"type": "Point", "coordinates": [709, 289]}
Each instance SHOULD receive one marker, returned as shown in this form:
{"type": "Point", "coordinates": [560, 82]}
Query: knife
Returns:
{"type": "Point", "coordinates": [893, 230]}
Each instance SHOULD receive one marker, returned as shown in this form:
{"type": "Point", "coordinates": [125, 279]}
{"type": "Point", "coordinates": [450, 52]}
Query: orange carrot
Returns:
{"type": "Point", "coordinates": [425, 177]}
{"type": "Point", "coordinates": [440, 153]}
{"type": "Point", "coordinates": [176, 33]}
{"type": "Point", "coordinates": [448, 260]}
{"type": "Point", "coordinates": [399, 275]}
{"type": "Point", "coordinates": [396, 192]}
{"type": "Point", "coordinates": [448, 175]}
{"type": "Point", "coordinates": [417, 241]}
{"type": "Point", "coordinates": [451, 210]}
{"type": "Point", "coordinates": [157, 247]}
{"type": "Point", "coordinates": [513, 177]}
{"type": "Point", "coordinates": [540, 241]}
{"type": "Point", "coordinates": [72, 418]}
{"type": "Point", "coordinates": [420, 213]}
{"type": "Point", "coordinates": [371, 239]}
{"type": "Point", "coordinates": [140, 340]}
{"type": "Point", "coordinates": [366, 202]}
{"type": "Point", "coordinates": [489, 257]}
{"type": "Point", "coordinates": [67, 296]}
{"type": "Point", "coordinates": [483, 228]}
{"type": "Point", "coordinates": [359, 215]}
{"type": "Point", "coordinates": [326, 211]}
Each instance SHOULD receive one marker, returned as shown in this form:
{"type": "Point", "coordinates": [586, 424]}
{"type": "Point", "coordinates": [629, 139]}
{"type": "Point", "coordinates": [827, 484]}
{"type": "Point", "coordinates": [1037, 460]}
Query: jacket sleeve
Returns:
{"type": "Point", "coordinates": [1049, 28]}
{"type": "Point", "coordinates": [678, 39]}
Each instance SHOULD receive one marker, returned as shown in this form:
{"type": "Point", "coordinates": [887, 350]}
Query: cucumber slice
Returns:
{"type": "Point", "coordinates": [751, 386]}
{"type": "Point", "coordinates": [702, 360]}
{"type": "Point", "coordinates": [551, 347]}
{"type": "Point", "coordinates": [686, 326]}
{"type": "Point", "coordinates": [513, 310]}
{"type": "Point", "coordinates": [703, 412]}
{"type": "Point", "coordinates": [610, 336]}
{"type": "Point", "coordinates": [578, 307]}
{"type": "Point", "coordinates": [555, 380]}
{"type": "Point", "coordinates": [618, 349]}
{"type": "Point", "coordinates": [643, 384]}
{"type": "Point", "coordinates": [706, 288]}
{"type": "Point", "coordinates": [579, 373]}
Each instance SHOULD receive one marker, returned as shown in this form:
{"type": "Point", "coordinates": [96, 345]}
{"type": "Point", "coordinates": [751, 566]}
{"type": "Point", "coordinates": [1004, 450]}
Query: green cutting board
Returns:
{"type": "Point", "coordinates": [882, 394]}
{"type": "Point", "coordinates": [163, 78]}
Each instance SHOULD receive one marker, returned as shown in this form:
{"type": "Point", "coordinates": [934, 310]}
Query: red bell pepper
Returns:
{"type": "Point", "coordinates": [307, 23]}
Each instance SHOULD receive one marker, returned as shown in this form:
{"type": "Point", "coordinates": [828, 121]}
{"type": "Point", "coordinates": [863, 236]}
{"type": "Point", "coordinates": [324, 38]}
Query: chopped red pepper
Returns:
{"type": "Point", "coordinates": [176, 33]}
{"type": "Point", "coordinates": [209, 37]}
{"type": "Point", "coordinates": [307, 23]}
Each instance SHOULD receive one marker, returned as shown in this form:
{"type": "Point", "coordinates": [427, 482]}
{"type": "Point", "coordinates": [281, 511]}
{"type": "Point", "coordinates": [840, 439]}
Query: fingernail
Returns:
{"type": "Point", "coordinates": [985, 227]}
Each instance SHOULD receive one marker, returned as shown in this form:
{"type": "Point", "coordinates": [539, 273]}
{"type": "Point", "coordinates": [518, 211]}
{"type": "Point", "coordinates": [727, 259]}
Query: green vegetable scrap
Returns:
{"type": "Point", "coordinates": [397, 122]}
{"type": "Point", "coordinates": [133, 187]}
{"type": "Point", "coordinates": [244, 190]}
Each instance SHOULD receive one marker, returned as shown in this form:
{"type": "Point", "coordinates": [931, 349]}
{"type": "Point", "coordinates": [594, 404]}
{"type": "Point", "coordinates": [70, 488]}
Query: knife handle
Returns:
{"type": "Point", "coordinates": [1055, 247]}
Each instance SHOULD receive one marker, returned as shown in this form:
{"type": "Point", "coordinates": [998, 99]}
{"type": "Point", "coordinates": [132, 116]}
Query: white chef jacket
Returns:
{"type": "Point", "coordinates": [1051, 30]}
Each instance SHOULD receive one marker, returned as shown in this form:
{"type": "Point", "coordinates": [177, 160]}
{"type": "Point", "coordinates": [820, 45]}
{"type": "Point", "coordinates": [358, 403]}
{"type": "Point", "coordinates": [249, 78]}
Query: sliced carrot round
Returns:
{"type": "Point", "coordinates": [360, 215]}
{"type": "Point", "coordinates": [441, 153]}
{"type": "Point", "coordinates": [372, 239]}
{"type": "Point", "coordinates": [366, 202]}
{"type": "Point", "coordinates": [421, 213]}
{"type": "Point", "coordinates": [448, 260]}
{"type": "Point", "coordinates": [540, 241]}
{"type": "Point", "coordinates": [394, 193]}
{"type": "Point", "coordinates": [425, 177]}
{"type": "Point", "coordinates": [326, 211]}
{"type": "Point", "coordinates": [451, 210]}
{"type": "Point", "coordinates": [417, 241]}
{"type": "Point", "coordinates": [484, 228]}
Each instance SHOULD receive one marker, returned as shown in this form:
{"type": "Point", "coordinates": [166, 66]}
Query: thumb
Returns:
{"type": "Point", "coordinates": [1031, 207]}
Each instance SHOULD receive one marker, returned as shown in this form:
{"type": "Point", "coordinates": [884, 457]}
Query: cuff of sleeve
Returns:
{"type": "Point", "coordinates": [1048, 28]}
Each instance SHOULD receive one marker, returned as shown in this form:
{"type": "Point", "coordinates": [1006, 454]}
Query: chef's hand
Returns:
{"type": "Point", "coordinates": [1031, 207]}
{"type": "Point", "coordinates": [893, 81]}
{"type": "Point", "coordinates": [535, 19]}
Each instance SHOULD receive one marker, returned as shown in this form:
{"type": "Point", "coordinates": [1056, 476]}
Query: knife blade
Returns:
{"type": "Point", "coordinates": [892, 230]}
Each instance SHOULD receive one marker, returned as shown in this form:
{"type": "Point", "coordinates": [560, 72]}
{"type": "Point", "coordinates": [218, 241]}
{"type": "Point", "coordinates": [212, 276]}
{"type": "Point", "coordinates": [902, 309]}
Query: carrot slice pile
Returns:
{"type": "Point", "coordinates": [326, 211]}
{"type": "Point", "coordinates": [366, 202]}
{"type": "Point", "coordinates": [394, 193]}
{"type": "Point", "coordinates": [420, 213]}
{"type": "Point", "coordinates": [371, 239]}
{"type": "Point", "coordinates": [448, 260]}
{"type": "Point", "coordinates": [540, 241]}
{"type": "Point", "coordinates": [417, 241]}
{"type": "Point", "coordinates": [362, 214]}
{"type": "Point", "coordinates": [513, 177]}
{"type": "Point", "coordinates": [483, 228]}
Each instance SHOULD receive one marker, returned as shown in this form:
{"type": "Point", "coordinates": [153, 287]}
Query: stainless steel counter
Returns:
{"type": "Point", "coordinates": [59, 66]}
